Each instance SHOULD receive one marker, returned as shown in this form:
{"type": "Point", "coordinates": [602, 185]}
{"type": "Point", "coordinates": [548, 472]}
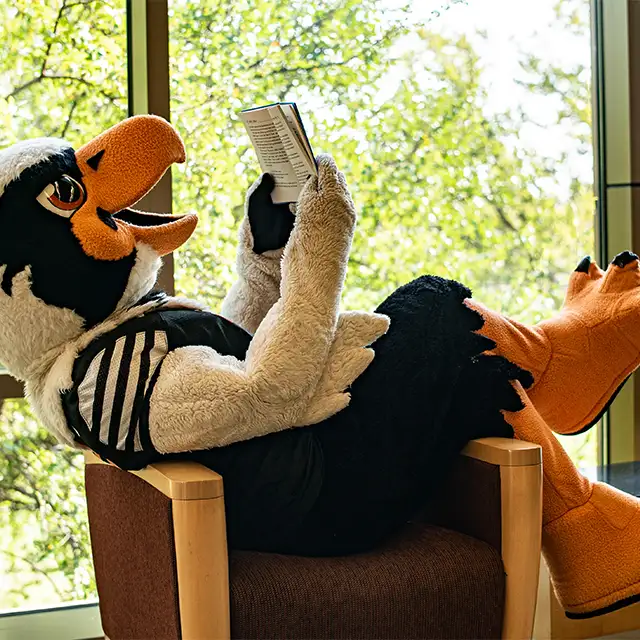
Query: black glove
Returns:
{"type": "Point", "coordinates": [271, 224]}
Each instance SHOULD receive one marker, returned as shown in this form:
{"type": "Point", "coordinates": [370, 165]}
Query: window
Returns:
{"type": "Point", "coordinates": [63, 73]}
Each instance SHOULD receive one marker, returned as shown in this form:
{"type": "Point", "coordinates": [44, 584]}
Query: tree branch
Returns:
{"type": "Point", "coordinates": [42, 75]}
{"type": "Point", "coordinates": [40, 78]}
{"type": "Point", "coordinates": [67, 124]}
{"type": "Point", "coordinates": [64, 8]}
{"type": "Point", "coordinates": [36, 569]}
{"type": "Point", "coordinates": [314, 26]}
{"type": "Point", "coordinates": [23, 87]}
{"type": "Point", "coordinates": [373, 47]}
{"type": "Point", "coordinates": [502, 215]}
{"type": "Point", "coordinates": [17, 505]}
{"type": "Point", "coordinates": [54, 31]}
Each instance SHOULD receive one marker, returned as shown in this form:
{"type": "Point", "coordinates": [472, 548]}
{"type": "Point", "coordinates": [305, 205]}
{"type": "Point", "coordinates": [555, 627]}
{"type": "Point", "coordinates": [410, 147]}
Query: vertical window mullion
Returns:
{"type": "Point", "coordinates": [634, 144]}
{"type": "Point", "coordinates": [148, 65]}
{"type": "Point", "coordinates": [600, 176]}
{"type": "Point", "coordinates": [615, 75]}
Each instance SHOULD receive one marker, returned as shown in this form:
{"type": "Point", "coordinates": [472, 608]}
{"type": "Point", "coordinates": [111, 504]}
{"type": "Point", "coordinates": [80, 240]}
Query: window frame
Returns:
{"type": "Point", "coordinates": [616, 133]}
{"type": "Point", "coordinates": [68, 621]}
{"type": "Point", "coordinates": [616, 146]}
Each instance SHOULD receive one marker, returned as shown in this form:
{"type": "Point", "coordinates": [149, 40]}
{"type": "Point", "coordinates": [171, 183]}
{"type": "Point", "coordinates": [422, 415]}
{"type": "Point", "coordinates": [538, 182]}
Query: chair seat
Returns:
{"type": "Point", "coordinates": [428, 582]}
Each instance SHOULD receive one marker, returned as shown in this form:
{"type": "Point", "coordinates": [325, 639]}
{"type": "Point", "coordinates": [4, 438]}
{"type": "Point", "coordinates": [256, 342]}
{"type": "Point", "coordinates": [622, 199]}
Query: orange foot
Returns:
{"type": "Point", "coordinates": [580, 358]}
{"type": "Point", "coordinates": [590, 532]}
{"type": "Point", "coordinates": [593, 553]}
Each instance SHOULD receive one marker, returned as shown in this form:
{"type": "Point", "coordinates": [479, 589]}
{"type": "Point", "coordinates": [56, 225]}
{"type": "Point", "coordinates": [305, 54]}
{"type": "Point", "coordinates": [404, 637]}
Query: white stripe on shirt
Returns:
{"type": "Point", "coordinates": [133, 376]}
{"type": "Point", "coordinates": [87, 390]}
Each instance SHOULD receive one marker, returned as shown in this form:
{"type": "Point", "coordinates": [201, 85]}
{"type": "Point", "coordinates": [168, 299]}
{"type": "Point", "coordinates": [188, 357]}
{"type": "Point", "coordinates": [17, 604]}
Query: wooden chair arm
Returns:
{"type": "Point", "coordinates": [521, 524]}
{"type": "Point", "coordinates": [505, 452]}
{"type": "Point", "coordinates": [177, 480]}
{"type": "Point", "coordinates": [200, 541]}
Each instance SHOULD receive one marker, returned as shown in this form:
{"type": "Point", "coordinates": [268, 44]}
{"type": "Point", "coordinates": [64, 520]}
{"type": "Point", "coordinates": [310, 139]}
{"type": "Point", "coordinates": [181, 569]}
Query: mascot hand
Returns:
{"type": "Point", "coordinates": [348, 357]}
{"type": "Point", "coordinates": [271, 224]}
{"type": "Point", "coordinates": [325, 200]}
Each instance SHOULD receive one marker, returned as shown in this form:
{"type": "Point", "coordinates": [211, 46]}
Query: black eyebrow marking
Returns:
{"type": "Point", "coordinates": [94, 160]}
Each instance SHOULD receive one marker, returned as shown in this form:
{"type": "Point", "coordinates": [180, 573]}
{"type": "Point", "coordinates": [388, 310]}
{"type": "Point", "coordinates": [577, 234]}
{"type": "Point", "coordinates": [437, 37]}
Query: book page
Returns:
{"type": "Point", "coordinates": [293, 146]}
{"type": "Point", "coordinates": [292, 115]}
{"type": "Point", "coordinates": [272, 155]}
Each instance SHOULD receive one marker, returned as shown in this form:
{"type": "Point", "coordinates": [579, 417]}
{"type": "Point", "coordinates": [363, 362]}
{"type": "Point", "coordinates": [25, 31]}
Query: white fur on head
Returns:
{"type": "Point", "coordinates": [22, 155]}
{"type": "Point", "coordinates": [144, 276]}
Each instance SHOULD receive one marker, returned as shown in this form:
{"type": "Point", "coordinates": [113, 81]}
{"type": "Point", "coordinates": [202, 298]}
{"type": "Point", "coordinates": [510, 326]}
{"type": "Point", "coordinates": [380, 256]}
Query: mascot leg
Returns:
{"type": "Point", "coordinates": [580, 358]}
{"type": "Point", "coordinates": [591, 531]}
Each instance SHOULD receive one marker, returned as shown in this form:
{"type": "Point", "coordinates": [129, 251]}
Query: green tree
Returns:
{"type": "Point", "coordinates": [440, 186]}
{"type": "Point", "coordinates": [42, 513]}
{"type": "Point", "coordinates": [63, 70]}
{"type": "Point", "coordinates": [62, 73]}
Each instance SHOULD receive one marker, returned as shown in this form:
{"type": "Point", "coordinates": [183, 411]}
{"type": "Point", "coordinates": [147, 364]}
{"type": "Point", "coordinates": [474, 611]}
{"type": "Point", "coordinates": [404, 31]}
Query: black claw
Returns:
{"type": "Point", "coordinates": [584, 265]}
{"type": "Point", "coordinates": [624, 258]}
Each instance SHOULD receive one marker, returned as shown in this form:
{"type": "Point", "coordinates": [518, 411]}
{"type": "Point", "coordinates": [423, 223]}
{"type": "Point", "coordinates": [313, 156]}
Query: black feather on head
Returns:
{"type": "Point", "coordinates": [62, 274]}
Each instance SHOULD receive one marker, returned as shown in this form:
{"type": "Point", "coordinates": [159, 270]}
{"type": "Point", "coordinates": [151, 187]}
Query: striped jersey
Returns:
{"type": "Point", "coordinates": [107, 407]}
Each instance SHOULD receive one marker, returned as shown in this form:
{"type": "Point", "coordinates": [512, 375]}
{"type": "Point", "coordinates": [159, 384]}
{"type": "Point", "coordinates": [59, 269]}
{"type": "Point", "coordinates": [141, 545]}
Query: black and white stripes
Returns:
{"type": "Point", "coordinates": [112, 393]}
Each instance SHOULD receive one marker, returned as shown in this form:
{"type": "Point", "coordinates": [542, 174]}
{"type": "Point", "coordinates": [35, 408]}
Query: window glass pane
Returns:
{"type": "Point", "coordinates": [463, 129]}
{"type": "Point", "coordinates": [62, 73]}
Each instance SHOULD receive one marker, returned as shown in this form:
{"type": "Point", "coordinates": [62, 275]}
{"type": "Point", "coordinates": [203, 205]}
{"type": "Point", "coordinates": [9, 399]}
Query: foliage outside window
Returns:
{"type": "Point", "coordinates": [444, 180]}
{"type": "Point", "coordinates": [63, 72]}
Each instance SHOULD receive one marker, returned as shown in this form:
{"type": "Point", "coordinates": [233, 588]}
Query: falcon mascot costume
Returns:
{"type": "Point", "coordinates": [330, 429]}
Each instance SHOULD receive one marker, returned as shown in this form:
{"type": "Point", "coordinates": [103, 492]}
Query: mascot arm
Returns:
{"type": "Point", "coordinates": [202, 399]}
{"type": "Point", "coordinates": [264, 232]}
{"type": "Point", "coordinates": [257, 288]}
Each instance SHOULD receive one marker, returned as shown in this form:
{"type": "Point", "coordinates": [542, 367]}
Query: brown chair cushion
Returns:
{"type": "Point", "coordinates": [429, 582]}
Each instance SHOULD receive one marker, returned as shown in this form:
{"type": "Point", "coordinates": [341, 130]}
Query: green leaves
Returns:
{"type": "Point", "coordinates": [440, 187]}
{"type": "Point", "coordinates": [45, 551]}
{"type": "Point", "coordinates": [62, 70]}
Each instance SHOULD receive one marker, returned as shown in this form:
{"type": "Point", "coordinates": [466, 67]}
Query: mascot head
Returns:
{"type": "Point", "coordinates": [72, 249]}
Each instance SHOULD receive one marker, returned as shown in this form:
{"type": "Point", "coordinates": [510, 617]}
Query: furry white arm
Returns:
{"type": "Point", "coordinates": [290, 348]}
{"type": "Point", "coordinates": [202, 399]}
{"type": "Point", "coordinates": [257, 288]}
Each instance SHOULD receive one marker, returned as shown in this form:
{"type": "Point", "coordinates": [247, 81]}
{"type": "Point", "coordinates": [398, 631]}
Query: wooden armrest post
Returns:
{"type": "Point", "coordinates": [200, 539]}
{"type": "Point", "coordinates": [521, 497]}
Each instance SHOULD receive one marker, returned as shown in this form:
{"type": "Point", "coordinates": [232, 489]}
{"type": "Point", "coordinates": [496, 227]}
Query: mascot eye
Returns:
{"type": "Point", "coordinates": [64, 196]}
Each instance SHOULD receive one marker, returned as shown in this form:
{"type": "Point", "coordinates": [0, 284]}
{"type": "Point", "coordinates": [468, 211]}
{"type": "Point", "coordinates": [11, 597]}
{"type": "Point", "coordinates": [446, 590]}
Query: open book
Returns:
{"type": "Point", "coordinates": [282, 146]}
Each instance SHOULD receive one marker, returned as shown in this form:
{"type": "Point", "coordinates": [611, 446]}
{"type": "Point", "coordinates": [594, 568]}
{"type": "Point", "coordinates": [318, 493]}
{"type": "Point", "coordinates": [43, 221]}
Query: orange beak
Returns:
{"type": "Point", "coordinates": [118, 168]}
